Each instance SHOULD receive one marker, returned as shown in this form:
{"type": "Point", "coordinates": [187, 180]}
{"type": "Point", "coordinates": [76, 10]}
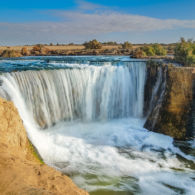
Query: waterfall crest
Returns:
{"type": "Point", "coordinates": [88, 93]}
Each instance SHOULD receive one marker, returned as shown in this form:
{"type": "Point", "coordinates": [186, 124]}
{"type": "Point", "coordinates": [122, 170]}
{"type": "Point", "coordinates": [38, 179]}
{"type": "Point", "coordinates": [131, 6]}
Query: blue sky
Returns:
{"type": "Point", "coordinates": [138, 21]}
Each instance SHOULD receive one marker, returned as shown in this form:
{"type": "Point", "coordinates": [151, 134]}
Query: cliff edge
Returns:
{"type": "Point", "coordinates": [21, 172]}
{"type": "Point", "coordinates": [172, 103]}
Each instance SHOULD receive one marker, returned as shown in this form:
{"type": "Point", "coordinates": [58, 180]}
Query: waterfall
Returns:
{"type": "Point", "coordinates": [94, 115]}
{"type": "Point", "coordinates": [88, 93]}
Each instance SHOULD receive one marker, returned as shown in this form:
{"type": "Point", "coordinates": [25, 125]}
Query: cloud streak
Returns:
{"type": "Point", "coordinates": [119, 22]}
{"type": "Point", "coordinates": [89, 19]}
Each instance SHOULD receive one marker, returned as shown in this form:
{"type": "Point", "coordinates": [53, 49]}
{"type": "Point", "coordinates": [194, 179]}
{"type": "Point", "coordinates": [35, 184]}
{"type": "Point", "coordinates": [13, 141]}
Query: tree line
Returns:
{"type": "Point", "coordinates": [183, 51]}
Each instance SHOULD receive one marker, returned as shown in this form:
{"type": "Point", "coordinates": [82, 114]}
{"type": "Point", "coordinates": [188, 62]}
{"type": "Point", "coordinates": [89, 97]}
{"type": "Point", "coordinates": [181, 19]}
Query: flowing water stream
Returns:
{"type": "Point", "coordinates": [85, 117]}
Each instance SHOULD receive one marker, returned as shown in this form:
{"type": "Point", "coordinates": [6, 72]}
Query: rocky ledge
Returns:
{"type": "Point", "coordinates": [21, 171]}
{"type": "Point", "coordinates": [170, 110]}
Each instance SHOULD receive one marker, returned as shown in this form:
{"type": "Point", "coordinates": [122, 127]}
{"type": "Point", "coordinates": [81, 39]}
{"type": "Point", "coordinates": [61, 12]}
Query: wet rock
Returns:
{"type": "Point", "coordinates": [172, 114]}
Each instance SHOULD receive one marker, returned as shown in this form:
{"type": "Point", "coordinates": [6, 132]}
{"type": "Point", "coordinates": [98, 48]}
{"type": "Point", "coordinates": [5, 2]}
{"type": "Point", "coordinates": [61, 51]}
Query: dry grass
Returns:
{"type": "Point", "coordinates": [57, 47]}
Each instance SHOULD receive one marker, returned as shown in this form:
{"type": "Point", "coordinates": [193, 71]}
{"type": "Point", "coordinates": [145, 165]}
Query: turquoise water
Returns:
{"type": "Point", "coordinates": [60, 62]}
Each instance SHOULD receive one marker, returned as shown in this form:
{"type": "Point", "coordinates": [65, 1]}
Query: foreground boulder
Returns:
{"type": "Point", "coordinates": [21, 170]}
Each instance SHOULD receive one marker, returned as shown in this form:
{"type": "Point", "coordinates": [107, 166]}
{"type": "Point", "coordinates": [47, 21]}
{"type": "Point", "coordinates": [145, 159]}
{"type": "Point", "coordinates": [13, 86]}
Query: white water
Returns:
{"type": "Point", "coordinates": [102, 143]}
{"type": "Point", "coordinates": [92, 93]}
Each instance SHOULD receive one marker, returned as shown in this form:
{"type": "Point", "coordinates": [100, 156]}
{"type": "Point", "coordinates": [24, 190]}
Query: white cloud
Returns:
{"type": "Point", "coordinates": [83, 23]}
{"type": "Point", "coordinates": [89, 19]}
{"type": "Point", "coordinates": [119, 22]}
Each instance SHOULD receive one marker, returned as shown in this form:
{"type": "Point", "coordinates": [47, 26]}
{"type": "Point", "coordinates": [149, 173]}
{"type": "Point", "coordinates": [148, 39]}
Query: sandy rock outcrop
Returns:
{"type": "Point", "coordinates": [21, 173]}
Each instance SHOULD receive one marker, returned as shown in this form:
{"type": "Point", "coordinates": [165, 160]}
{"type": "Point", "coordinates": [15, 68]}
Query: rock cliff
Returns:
{"type": "Point", "coordinates": [21, 171]}
{"type": "Point", "coordinates": [171, 111]}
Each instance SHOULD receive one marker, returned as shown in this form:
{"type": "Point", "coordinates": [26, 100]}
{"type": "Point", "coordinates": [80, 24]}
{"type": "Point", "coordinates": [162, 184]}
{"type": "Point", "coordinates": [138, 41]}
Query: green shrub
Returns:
{"type": "Point", "coordinates": [159, 50]}
{"type": "Point", "coordinates": [185, 52]}
{"type": "Point", "coordinates": [155, 50]}
{"type": "Point", "coordinates": [94, 44]}
{"type": "Point", "coordinates": [149, 51]}
{"type": "Point", "coordinates": [127, 45]}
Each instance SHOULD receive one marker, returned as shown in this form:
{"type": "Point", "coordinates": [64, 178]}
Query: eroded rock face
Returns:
{"type": "Point", "coordinates": [21, 172]}
{"type": "Point", "coordinates": [172, 114]}
{"type": "Point", "coordinates": [155, 77]}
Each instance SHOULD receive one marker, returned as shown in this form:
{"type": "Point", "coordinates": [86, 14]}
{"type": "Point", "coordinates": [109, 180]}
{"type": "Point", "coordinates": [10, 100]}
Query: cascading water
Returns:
{"type": "Point", "coordinates": [90, 93]}
{"type": "Point", "coordinates": [87, 121]}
